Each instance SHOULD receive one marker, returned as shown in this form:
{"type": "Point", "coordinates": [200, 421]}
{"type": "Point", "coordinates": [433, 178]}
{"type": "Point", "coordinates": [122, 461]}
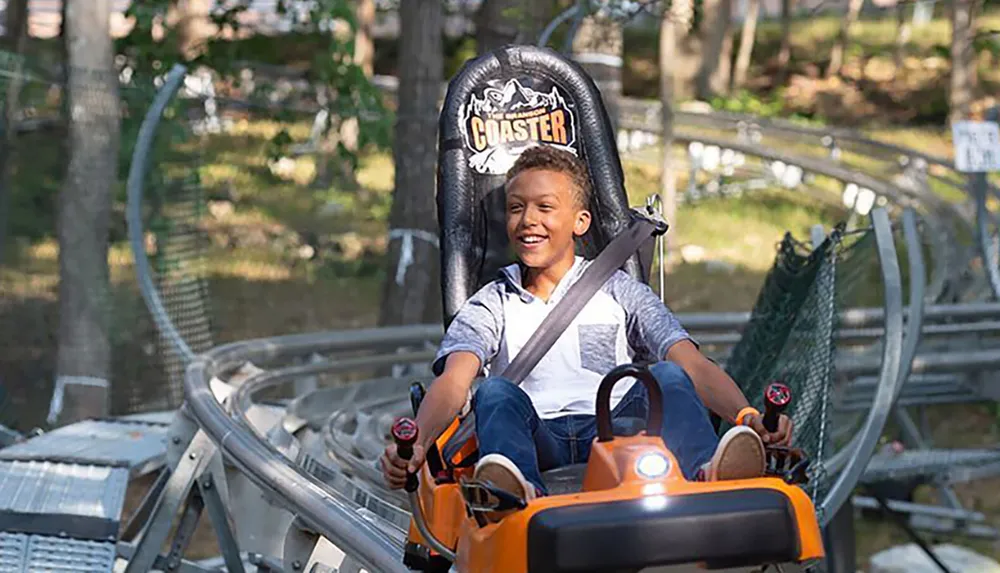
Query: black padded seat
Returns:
{"type": "Point", "coordinates": [498, 105]}
{"type": "Point", "coordinates": [565, 480]}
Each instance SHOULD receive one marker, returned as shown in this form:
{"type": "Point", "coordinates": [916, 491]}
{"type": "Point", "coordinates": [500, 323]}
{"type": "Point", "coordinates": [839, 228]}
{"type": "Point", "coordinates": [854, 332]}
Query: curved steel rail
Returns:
{"type": "Point", "coordinates": [331, 513]}
{"type": "Point", "coordinates": [943, 236]}
{"type": "Point", "coordinates": [782, 125]}
{"type": "Point", "coordinates": [571, 12]}
{"type": "Point", "coordinates": [915, 317]}
{"type": "Point", "coordinates": [889, 379]}
{"type": "Point", "coordinates": [267, 467]}
{"type": "Point", "coordinates": [133, 211]}
{"type": "Point", "coordinates": [944, 250]}
{"type": "Point", "coordinates": [822, 167]}
{"type": "Point", "coordinates": [911, 338]}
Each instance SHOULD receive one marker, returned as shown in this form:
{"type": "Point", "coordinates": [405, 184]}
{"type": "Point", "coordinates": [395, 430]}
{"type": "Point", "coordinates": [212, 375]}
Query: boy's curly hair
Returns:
{"type": "Point", "coordinates": [554, 159]}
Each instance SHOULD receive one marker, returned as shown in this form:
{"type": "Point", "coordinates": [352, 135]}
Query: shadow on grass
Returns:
{"type": "Point", "coordinates": [312, 297]}
{"type": "Point", "coordinates": [245, 167]}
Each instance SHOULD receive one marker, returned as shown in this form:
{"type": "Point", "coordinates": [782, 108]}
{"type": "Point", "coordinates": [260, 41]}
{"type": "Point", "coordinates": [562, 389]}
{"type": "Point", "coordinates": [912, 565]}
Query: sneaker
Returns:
{"type": "Point", "coordinates": [740, 455]}
{"type": "Point", "coordinates": [499, 471]}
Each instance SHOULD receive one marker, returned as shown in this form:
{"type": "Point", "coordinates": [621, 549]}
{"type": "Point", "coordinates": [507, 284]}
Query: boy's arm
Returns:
{"type": "Point", "coordinates": [471, 341]}
{"type": "Point", "coordinates": [446, 396]}
{"type": "Point", "coordinates": [719, 392]}
{"type": "Point", "coordinates": [715, 388]}
{"type": "Point", "coordinates": [651, 325]}
{"type": "Point", "coordinates": [444, 400]}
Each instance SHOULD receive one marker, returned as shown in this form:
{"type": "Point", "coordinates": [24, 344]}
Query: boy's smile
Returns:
{"type": "Point", "coordinates": [543, 219]}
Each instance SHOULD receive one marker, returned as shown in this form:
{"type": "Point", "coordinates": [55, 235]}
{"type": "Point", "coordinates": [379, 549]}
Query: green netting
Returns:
{"type": "Point", "coordinates": [143, 371]}
{"type": "Point", "coordinates": [179, 266]}
{"type": "Point", "coordinates": [791, 335]}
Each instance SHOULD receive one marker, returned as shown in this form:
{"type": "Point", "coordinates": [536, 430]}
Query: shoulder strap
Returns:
{"type": "Point", "coordinates": [643, 226]}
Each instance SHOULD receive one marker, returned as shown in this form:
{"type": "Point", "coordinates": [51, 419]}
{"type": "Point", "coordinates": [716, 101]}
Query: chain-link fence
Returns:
{"type": "Point", "coordinates": [791, 335]}
{"type": "Point", "coordinates": [252, 224]}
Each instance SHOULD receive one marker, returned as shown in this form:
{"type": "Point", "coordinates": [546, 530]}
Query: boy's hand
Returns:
{"type": "Point", "coordinates": [782, 437]}
{"type": "Point", "coordinates": [394, 468]}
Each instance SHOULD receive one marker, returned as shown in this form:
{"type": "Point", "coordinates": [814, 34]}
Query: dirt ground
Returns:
{"type": "Point", "coordinates": [203, 543]}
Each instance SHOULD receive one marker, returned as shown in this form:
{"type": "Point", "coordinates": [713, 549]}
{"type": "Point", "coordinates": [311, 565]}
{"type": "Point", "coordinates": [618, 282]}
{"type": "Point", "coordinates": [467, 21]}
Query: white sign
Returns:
{"type": "Point", "coordinates": [977, 146]}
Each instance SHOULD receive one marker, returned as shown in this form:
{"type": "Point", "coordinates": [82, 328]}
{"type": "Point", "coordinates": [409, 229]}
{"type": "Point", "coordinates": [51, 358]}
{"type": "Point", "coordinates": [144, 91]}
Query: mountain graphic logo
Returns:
{"type": "Point", "coordinates": [501, 122]}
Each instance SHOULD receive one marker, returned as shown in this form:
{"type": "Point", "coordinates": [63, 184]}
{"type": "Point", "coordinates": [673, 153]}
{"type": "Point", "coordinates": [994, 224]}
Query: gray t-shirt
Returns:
{"type": "Point", "coordinates": [624, 321]}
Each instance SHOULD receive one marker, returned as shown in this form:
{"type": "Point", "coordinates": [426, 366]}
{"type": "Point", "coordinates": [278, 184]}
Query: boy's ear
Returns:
{"type": "Point", "coordinates": [582, 222]}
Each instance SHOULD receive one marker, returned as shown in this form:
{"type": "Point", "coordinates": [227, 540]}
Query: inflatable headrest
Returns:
{"type": "Point", "coordinates": [498, 105]}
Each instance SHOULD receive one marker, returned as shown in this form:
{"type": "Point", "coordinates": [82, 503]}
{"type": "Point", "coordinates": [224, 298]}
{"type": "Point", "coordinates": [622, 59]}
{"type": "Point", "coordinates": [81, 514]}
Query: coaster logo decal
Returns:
{"type": "Point", "coordinates": [502, 122]}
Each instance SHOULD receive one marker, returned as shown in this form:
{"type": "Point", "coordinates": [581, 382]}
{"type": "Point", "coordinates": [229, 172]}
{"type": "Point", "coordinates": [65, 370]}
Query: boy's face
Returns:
{"type": "Point", "coordinates": [543, 217]}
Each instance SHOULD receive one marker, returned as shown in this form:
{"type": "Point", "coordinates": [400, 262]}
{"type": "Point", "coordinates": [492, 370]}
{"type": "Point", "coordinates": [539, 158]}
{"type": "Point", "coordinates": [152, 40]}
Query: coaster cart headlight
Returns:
{"type": "Point", "coordinates": [652, 465]}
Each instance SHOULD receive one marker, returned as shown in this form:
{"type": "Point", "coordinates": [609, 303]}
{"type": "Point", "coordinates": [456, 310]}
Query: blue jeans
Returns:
{"type": "Point", "coordinates": [507, 423]}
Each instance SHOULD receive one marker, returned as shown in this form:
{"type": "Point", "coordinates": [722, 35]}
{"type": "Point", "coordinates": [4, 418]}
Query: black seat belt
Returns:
{"type": "Point", "coordinates": [612, 258]}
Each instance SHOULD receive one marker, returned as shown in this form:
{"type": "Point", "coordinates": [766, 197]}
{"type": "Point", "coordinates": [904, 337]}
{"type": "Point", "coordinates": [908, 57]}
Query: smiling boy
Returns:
{"type": "Point", "coordinates": [548, 420]}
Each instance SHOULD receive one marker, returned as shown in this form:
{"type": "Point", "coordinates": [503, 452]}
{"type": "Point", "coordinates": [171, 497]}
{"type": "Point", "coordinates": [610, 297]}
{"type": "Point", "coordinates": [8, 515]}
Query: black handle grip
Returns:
{"type": "Point", "coordinates": [776, 399]}
{"type": "Point", "coordinates": [654, 415]}
{"type": "Point", "coordinates": [404, 433]}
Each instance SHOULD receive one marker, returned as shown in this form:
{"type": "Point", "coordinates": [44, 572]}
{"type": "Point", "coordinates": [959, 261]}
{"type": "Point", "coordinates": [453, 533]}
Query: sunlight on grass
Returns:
{"type": "Point", "coordinates": [250, 270]}
{"type": "Point", "coordinates": [24, 283]}
{"type": "Point", "coordinates": [266, 129]}
{"type": "Point", "coordinates": [876, 32]}
{"type": "Point", "coordinates": [932, 141]}
{"type": "Point", "coordinates": [746, 231]}
{"type": "Point", "coordinates": [47, 250]}
{"type": "Point", "coordinates": [743, 231]}
{"type": "Point", "coordinates": [218, 174]}
{"type": "Point", "coordinates": [377, 172]}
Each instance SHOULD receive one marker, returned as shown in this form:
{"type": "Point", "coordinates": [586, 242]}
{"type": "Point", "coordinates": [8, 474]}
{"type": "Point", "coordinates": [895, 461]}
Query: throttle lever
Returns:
{"type": "Point", "coordinates": [404, 433]}
{"type": "Point", "coordinates": [776, 399]}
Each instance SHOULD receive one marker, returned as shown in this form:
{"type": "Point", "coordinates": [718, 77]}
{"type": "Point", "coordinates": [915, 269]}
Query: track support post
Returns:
{"type": "Point", "coordinates": [187, 488]}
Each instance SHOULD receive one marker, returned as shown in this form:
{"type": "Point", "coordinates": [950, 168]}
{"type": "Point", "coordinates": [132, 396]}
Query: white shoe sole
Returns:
{"type": "Point", "coordinates": [740, 455]}
{"type": "Point", "coordinates": [527, 490]}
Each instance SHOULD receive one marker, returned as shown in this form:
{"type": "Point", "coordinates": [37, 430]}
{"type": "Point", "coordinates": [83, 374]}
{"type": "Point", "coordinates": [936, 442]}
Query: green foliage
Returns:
{"type": "Point", "coordinates": [771, 105]}
{"type": "Point", "coordinates": [744, 101]}
{"type": "Point", "coordinates": [336, 81]}
{"type": "Point", "coordinates": [457, 52]}
{"type": "Point", "coordinates": [139, 49]}
{"type": "Point", "coordinates": [941, 51]}
{"type": "Point", "coordinates": [987, 41]}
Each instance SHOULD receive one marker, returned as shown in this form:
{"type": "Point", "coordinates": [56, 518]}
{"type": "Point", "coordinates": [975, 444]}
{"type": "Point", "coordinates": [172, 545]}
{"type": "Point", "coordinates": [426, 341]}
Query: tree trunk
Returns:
{"type": "Point", "coordinates": [539, 14]}
{"type": "Point", "coordinates": [598, 47]}
{"type": "Point", "coordinates": [84, 353]}
{"type": "Point", "coordinates": [15, 24]}
{"type": "Point", "coordinates": [963, 58]}
{"type": "Point", "coordinates": [713, 74]}
{"type": "Point", "coordinates": [673, 25]}
{"type": "Point", "coordinates": [17, 35]}
{"type": "Point", "coordinates": [902, 37]}
{"type": "Point", "coordinates": [501, 22]}
{"type": "Point", "coordinates": [747, 37]}
{"type": "Point", "coordinates": [785, 51]}
{"type": "Point", "coordinates": [724, 73]}
{"type": "Point", "coordinates": [64, 43]}
{"type": "Point", "coordinates": [840, 45]}
{"type": "Point", "coordinates": [412, 292]}
{"type": "Point", "coordinates": [496, 24]}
